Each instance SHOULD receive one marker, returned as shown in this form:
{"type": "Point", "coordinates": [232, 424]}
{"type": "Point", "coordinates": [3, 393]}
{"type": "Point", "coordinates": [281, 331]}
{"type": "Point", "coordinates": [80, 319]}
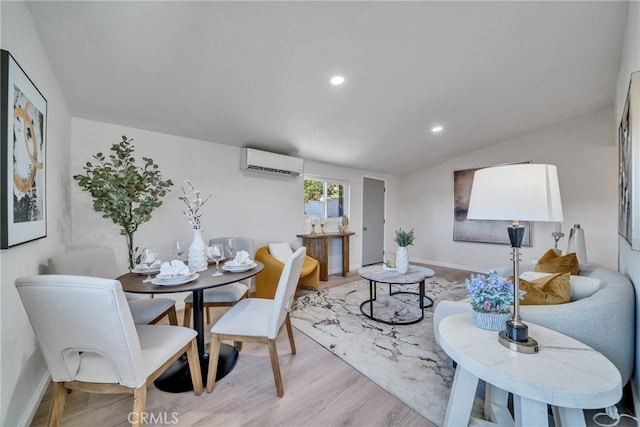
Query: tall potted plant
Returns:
{"type": "Point", "coordinates": [124, 191]}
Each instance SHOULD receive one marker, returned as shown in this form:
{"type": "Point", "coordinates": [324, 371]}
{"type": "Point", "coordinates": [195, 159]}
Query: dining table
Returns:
{"type": "Point", "coordinates": [177, 378]}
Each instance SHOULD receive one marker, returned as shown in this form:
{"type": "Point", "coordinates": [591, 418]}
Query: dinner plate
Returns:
{"type": "Point", "coordinates": [144, 270]}
{"type": "Point", "coordinates": [174, 281]}
{"type": "Point", "coordinates": [238, 268]}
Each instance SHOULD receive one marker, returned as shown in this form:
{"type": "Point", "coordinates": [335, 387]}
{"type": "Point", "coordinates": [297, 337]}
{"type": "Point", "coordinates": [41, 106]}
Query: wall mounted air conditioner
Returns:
{"type": "Point", "coordinates": [264, 161]}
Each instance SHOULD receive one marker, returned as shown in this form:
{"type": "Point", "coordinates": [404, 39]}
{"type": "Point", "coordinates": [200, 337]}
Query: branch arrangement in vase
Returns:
{"type": "Point", "coordinates": [404, 238]}
{"type": "Point", "coordinates": [194, 206]}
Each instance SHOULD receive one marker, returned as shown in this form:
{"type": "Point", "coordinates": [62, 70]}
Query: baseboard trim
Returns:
{"type": "Point", "coordinates": [30, 411]}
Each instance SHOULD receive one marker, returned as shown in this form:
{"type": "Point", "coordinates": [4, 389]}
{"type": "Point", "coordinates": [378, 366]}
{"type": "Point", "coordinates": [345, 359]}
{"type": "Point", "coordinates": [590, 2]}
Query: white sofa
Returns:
{"type": "Point", "coordinates": [604, 320]}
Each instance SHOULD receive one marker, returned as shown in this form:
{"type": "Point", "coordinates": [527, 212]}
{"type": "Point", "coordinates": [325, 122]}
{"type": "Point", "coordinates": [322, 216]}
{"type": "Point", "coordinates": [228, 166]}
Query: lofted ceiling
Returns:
{"type": "Point", "coordinates": [257, 73]}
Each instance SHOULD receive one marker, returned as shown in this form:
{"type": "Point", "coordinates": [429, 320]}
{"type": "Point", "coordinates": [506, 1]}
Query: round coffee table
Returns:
{"type": "Point", "coordinates": [379, 274]}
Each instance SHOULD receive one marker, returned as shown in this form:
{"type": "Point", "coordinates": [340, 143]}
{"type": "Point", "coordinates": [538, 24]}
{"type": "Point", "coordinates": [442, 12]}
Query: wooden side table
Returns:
{"type": "Point", "coordinates": [318, 247]}
{"type": "Point", "coordinates": [566, 374]}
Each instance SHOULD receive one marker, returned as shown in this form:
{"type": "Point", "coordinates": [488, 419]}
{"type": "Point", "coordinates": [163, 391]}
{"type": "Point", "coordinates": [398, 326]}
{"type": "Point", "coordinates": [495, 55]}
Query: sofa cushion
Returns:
{"type": "Point", "coordinates": [547, 289]}
{"type": "Point", "coordinates": [280, 251]}
{"type": "Point", "coordinates": [551, 262]}
{"type": "Point", "coordinates": [581, 286]}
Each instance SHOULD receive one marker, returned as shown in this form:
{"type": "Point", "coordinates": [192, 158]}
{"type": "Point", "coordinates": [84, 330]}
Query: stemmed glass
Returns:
{"type": "Point", "coordinates": [178, 248]}
{"type": "Point", "coordinates": [231, 246]}
{"type": "Point", "coordinates": [217, 253]}
{"type": "Point", "coordinates": [148, 257]}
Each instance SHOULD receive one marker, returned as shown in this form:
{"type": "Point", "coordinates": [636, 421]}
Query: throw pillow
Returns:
{"type": "Point", "coordinates": [280, 251]}
{"type": "Point", "coordinates": [581, 286]}
{"type": "Point", "coordinates": [549, 289]}
{"type": "Point", "coordinates": [551, 262]}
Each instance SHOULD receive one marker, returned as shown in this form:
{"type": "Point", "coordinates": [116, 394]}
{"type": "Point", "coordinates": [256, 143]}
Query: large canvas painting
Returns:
{"type": "Point", "coordinates": [628, 168]}
{"type": "Point", "coordinates": [23, 128]}
{"type": "Point", "coordinates": [483, 231]}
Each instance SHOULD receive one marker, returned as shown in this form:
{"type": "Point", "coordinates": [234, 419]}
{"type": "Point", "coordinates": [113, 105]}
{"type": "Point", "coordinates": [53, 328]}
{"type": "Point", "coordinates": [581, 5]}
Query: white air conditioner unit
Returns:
{"type": "Point", "coordinates": [264, 161]}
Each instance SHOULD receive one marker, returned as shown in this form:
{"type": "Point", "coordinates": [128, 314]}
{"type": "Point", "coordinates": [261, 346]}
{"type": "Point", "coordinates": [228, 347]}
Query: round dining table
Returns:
{"type": "Point", "coordinates": [177, 378]}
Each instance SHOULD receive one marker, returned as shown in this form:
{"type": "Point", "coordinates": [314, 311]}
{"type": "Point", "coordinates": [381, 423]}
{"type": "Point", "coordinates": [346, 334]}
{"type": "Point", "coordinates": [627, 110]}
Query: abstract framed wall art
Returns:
{"type": "Point", "coordinates": [628, 168]}
{"type": "Point", "coordinates": [482, 231]}
{"type": "Point", "coordinates": [23, 128]}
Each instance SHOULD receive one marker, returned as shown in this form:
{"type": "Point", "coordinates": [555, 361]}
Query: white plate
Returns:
{"type": "Point", "coordinates": [238, 268]}
{"type": "Point", "coordinates": [144, 270]}
{"type": "Point", "coordinates": [175, 281]}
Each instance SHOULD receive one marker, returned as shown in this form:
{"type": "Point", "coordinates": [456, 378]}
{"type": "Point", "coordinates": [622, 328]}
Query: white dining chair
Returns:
{"type": "Point", "coordinates": [101, 262]}
{"type": "Point", "coordinates": [222, 296]}
{"type": "Point", "coordinates": [260, 320]}
{"type": "Point", "coordinates": [90, 342]}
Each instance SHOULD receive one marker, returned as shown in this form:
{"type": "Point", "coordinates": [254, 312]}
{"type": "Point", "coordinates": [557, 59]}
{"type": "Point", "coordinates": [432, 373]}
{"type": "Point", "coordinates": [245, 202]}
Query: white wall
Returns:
{"type": "Point", "coordinates": [23, 372]}
{"type": "Point", "coordinates": [583, 150]}
{"type": "Point", "coordinates": [629, 260]}
{"type": "Point", "coordinates": [265, 207]}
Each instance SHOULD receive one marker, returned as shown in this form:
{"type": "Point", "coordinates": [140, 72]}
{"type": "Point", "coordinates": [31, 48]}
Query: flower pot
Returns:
{"type": "Point", "coordinates": [490, 321]}
{"type": "Point", "coordinates": [402, 260]}
{"type": "Point", "coordinates": [198, 252]}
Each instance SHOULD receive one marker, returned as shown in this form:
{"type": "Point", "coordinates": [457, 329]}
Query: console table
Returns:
{"type": "Point", "coordinates": [318, 247]}
{"type": "Point", "coordinates": [566, 374]}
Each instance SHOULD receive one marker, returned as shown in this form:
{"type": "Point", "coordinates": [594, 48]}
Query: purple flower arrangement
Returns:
{"type": "Point", "coordinates": [492, 294]}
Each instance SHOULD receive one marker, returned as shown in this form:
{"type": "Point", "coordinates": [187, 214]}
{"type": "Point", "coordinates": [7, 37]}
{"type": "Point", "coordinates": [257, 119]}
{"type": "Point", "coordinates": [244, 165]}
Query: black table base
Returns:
{"type": "Point", "coordinates": [177, 378]}
{"type": "Point", "coordinates": [373, 295]}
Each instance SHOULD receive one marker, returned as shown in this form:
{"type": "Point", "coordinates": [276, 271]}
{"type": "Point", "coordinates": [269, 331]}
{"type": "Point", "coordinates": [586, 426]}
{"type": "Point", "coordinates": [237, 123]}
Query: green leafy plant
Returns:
{"type": "Point", "coordinates": [123, 191]}
{"type": "Point", "coordinates": [404, 238]}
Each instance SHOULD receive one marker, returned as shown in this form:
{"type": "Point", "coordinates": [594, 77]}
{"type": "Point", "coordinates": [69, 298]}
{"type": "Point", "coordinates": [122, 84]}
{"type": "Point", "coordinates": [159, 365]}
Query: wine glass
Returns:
{"type": "Point", "coordinates": [231, 246]}
{"type": "Point", "coordinates": [148, 257]}
{"type": "Point", "coordinates": [178, 248]}
{"type": "Point", "coordinates": [217, 253]}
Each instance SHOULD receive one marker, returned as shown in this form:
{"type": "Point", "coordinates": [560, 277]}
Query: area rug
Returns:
{"type": "Point", "coordinates": [403, 359]}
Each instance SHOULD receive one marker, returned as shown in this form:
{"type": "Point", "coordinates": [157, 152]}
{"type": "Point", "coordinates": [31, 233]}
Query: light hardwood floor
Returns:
{"type": "Point", "coordinates": [320, 390]}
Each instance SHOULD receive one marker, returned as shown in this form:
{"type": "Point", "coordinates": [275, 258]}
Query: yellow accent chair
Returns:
{"type": "Point", "coordinates": [267, 279]}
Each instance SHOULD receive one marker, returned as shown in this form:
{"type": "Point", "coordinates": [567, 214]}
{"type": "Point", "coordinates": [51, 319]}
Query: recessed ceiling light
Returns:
{"type": "Point", "coordinates": [337, 80]}
{"type": "Point", "coordinates": [437, 129]}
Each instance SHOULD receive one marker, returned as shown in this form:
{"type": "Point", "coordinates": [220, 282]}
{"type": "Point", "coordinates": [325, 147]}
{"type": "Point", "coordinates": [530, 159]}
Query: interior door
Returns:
{"type": "Point", "coordinates": [372, 221]}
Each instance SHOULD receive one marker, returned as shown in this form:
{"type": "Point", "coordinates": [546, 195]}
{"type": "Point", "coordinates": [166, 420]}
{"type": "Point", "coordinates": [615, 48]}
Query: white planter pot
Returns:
{"type": "Point", "coordinates": [402, 260]}
{"type": "Point", "coordinates": [490, 321]}
{"type": "Point", "coordinates": [198, 253]}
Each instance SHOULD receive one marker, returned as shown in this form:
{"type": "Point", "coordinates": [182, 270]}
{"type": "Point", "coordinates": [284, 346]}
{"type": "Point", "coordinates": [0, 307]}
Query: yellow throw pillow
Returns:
{"type": "Point", "coordinates": [551, 289]}
{"type": "Point", "coordinates": [551, 262]}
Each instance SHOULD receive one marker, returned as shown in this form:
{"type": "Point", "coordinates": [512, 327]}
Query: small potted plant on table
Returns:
{"type": "Point", "coordinates": [491, 298]}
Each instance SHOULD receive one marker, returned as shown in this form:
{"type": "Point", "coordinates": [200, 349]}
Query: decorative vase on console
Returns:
{"type": "Point", "coordinates": [491, 298]}
{"type": "Point", "coordinates": [403, 239]}
{"type": "Point", "coordinates": [198, 252]}
{"type": "Point", "coordinates": [198, 248]}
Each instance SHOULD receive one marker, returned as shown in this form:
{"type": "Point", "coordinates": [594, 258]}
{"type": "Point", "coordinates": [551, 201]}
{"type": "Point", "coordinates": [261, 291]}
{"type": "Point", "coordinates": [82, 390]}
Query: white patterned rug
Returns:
{"type": "Point", "coordinates": [404, 360]}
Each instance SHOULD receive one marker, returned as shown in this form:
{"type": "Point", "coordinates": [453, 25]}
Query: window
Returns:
{"type": "Point", "coordinates": [325, 197]}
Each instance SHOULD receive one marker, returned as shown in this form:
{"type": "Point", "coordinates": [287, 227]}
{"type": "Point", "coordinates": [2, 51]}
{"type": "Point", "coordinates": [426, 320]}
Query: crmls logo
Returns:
{"type": "Point", "coordinates": [151, 418]}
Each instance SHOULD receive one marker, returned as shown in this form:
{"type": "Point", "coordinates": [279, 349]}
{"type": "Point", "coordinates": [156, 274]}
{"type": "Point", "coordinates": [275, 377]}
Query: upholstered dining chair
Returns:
{"type": "Point", "coordinates": [260, 320]}
{"type": "Point", "coordinates": [267, 279]}
{"type": "Point", "coordinates": [90, 342]}
{"type": "Point", "coordinates": [101, 262]}
{"type": "Point", "coordinates": [222, 296]}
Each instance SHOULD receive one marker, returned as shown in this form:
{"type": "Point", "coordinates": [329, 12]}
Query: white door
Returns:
{"type": "Point", "coordinates": [372, 221]}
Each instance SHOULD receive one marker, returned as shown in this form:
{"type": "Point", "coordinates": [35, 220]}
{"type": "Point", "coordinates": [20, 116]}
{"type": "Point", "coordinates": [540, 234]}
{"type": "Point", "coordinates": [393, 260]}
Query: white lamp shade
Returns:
{"type": "Point", "coordinates": [522, 192]}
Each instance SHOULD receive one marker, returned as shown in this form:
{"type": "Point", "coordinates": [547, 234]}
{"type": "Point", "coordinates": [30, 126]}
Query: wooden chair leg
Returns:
{"type": "Point", "coordinates": [292, 343]}
{"type": "Point", "coordinates": [57, 405]}
{"type": "Point", "coordinates": [139, 403]}
{"type": "Point", "coordinates": [275, 366]}
{"type": "Point", "coordinates": [214, 353]}
{"type": "Point", "coordinates": [208, 310]}
{"type": "Point", "coordinates": [173, 316]}
{"type": "Point", "coordinates": [238, 345]}
{"type": "Point", "coordinates": [194, 367]}
{"type": "Point", "coordinates": [186, 320]}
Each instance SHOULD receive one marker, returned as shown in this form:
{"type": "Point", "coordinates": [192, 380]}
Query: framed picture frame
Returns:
{"type": "Point", "coordinates": [23, 143]}
{"type": "Point", "coordinates": [481, 231]}
{"type": "Point", "coordinates": [628, 167]}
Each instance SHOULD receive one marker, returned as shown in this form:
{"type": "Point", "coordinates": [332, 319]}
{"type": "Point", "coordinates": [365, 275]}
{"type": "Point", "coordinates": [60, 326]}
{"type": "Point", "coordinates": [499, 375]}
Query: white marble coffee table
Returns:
{"type": "Point", "coordinates": [565, 373]}
{"type": "Point", "coordinates": [378, 274]}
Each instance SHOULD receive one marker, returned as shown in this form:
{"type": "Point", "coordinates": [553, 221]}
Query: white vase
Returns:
{"type": "Point", "coordinates": [198, 253]}
{"type": "Point", "coordinates": [402, 260]}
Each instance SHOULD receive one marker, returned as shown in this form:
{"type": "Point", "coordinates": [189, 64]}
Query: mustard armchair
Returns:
{"type": "Point", "coordinates": [267, 280]}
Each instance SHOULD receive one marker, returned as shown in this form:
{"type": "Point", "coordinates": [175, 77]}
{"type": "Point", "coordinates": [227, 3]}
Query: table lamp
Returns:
{"type": "Point", "coordinates": [519, 192]}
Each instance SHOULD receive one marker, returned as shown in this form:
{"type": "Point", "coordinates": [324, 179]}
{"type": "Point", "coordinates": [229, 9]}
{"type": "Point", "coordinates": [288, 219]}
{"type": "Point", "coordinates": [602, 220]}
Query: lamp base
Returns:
{"type": "Point", "coordinates": [530, 346]}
